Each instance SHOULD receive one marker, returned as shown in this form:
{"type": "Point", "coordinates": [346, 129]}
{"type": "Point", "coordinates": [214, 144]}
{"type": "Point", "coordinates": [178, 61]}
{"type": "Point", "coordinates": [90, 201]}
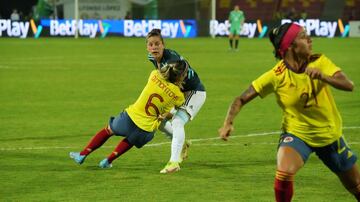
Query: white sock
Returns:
{"type": "Point", "coordinates": [178, 139]}
{"type": "Point", "coordinates": [166, 128]}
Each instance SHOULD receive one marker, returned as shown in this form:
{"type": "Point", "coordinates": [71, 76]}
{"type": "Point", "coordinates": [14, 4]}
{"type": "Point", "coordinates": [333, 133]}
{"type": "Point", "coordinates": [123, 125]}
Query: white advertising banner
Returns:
{"type": "Point", "coordinates": [354, 29]}
{"type": "Point", "coordinates": [95, 9]}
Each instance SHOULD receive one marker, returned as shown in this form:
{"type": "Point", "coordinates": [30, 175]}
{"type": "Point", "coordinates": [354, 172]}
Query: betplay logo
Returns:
{"type": "Point", "coordinates": [169, 28]}
{"type": "Point", "coordinates": [104, 28]}
{"type": "Point", "coordinates": [315, 27]}
{"type": "Point", "coordinates": [261, 29]}
{"type": "Point", "coordinates": [248, 29]}
{"type": "Point", "coordinates": [344, 31]}
{"type": "Point", "coordinates": [140, 28]}
{"type": "Point", "coordinates": [185, 29]}
{"type": "Point", "coordinates": [68, 28]}
{"type": "Point", "coordinates": [15, 29]}
{"type": "Point", "coordinates": [35, 30]}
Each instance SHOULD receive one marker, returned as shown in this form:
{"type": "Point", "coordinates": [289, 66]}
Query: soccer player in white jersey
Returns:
{"type": "Point", "coordinates": [195, 96]}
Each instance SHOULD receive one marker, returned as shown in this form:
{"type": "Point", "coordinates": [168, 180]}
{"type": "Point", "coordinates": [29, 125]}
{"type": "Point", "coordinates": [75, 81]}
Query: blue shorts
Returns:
{"type": "Point", "coordinates": [122, 125]}
{"type": "Point", "coordinates": [337, 156]}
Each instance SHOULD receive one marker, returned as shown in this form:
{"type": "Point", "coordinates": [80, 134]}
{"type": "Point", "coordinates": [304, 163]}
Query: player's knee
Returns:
{"type": "Point", "coordinates": [284, 175]}
{"type": "Point", "coordinates": [109, 131]}
{"type": "Point", "coordinates": [289, 160]}
{"type": "Point", "coordinates": [288, 168]}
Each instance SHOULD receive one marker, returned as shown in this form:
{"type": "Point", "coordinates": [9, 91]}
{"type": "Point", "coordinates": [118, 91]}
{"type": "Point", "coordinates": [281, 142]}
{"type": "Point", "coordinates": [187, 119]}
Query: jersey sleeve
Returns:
{"type": "Point", "coordinates": [265, 84]}
{"type": "Point", "coordinates": [327, 67]}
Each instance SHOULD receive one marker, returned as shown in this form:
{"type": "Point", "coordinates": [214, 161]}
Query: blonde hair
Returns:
{"type": "Point", "coordinates": [174, 71]}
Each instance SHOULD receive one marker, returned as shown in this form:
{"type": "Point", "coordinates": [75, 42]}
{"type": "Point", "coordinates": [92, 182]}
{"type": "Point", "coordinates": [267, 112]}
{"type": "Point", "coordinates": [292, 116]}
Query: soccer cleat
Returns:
{"type": "Point", "coordinates": [105, 164]}
{"type": "Point", "coordinates": [170, 167]}
{"type": "Point", "coordinates": [79, 159]}
{"type": "Point", "coordinates": [185, 150]}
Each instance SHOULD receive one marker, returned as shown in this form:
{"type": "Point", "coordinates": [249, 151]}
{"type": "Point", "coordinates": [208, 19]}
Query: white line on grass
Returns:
{"type": "Point", "coordinates": [192, 140]}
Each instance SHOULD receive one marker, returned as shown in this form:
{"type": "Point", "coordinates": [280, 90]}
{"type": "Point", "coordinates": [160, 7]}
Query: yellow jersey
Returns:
{"type": "Point", "coordinates": [158, 97]}
{"type": "Point", "coordinates": [309, 110]}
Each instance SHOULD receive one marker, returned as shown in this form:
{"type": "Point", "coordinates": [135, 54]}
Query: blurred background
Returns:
{"type": "Point", "coordinates": [202, 11]}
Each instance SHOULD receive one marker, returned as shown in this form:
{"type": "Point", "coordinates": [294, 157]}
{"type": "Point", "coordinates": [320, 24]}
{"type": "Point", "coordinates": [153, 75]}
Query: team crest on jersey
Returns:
{"type": "Point", "coordinates": [280, 69]}
{"type": "Point", "coordinates": [288, 139]}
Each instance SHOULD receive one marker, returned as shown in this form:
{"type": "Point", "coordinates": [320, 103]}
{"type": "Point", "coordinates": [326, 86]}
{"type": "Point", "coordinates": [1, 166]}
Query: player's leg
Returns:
{"type": "Point", "coordinates": [351, 180]}
{"type": "Point", "coordinates": [193, 103]}
{"type": "Point", "coordinates": [340, 159]}
{"type": "Point", "coordinates": [194, 100]}
{"type": "Point", "coordinates": [231, 37]}
{"type": "Point", "coordinates": [166, 128]}
{"type": "Point", "coordinates": [237, 36]}
{"type": "Point", "coordinates": [134, 136]}
{"type": "Point", "coordinates": [166, 125]}
{"type": "Point", "coordinates": [120, 149]}
{"type": "Point", "coordinates": [178, 123]}
{"type": "Point", "coordinates": [292, 154]}
{"type": "Point", "coordinates": [99, 139]}
{"type": "Point", "coordinates": [177, 142]}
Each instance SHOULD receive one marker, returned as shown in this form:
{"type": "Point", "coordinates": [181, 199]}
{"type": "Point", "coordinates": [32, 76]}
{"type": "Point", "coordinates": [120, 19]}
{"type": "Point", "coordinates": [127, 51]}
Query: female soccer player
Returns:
{"type": "Point", "coordinates": [138, 122]}
{"type": "Point", "coordinates": [301, 82]}
{"type": "Point", "coordinates": [195, 96]}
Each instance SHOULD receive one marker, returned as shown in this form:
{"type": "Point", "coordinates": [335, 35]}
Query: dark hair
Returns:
{"type": "Point", "coordinates": [155, 32]}
{"type": "Point", "coordinates": [276, 35]}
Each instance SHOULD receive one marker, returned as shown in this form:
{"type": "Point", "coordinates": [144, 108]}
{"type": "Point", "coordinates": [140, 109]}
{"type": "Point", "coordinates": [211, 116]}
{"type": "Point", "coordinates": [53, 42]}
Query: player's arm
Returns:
{"type": "Point", "coordinates": [234, 109]}
{"type": "Point", "coordinates": [165, 116]}
{"type": "Point", "coordinates": [339, 80]}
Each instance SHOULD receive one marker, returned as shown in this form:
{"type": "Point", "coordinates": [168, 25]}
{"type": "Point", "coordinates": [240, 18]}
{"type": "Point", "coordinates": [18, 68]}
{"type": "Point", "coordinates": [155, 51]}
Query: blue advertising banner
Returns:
{"type": "Point", "coordinates": [127, 28]}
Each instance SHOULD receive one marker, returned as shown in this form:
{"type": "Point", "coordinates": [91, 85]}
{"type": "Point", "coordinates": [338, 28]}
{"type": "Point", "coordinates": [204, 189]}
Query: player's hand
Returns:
{"type": "Point", "coordinates": [164, 116]}
{"type": "Point", "coordinates": [224, 132]}
{"type": "Point", "coordinates": [313, 73]}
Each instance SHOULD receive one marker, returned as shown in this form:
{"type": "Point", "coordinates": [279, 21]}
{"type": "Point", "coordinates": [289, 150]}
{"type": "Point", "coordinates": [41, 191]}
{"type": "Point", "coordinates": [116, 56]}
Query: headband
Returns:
{"type": "Point", "coordinates": [288, 38]}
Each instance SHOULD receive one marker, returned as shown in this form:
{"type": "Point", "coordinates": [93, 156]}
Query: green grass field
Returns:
{"type": "Point", "coordinates": [55, 94]}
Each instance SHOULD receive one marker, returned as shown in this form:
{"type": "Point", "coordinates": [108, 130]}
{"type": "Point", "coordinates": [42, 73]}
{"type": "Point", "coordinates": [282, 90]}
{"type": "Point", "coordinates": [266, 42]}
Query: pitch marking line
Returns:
{"type": "Point", "coordinates": [192, 140]}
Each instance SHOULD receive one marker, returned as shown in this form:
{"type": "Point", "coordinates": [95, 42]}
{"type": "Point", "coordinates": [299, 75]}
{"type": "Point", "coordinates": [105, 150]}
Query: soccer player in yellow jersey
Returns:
{"type": "Point", "coordinates": [140, 120]}
{"type": "Point", "coordinates": [301, 82]}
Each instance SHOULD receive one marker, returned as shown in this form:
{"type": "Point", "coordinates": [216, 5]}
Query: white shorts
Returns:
{"type": "Point", "coordinates": [194, 100]}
